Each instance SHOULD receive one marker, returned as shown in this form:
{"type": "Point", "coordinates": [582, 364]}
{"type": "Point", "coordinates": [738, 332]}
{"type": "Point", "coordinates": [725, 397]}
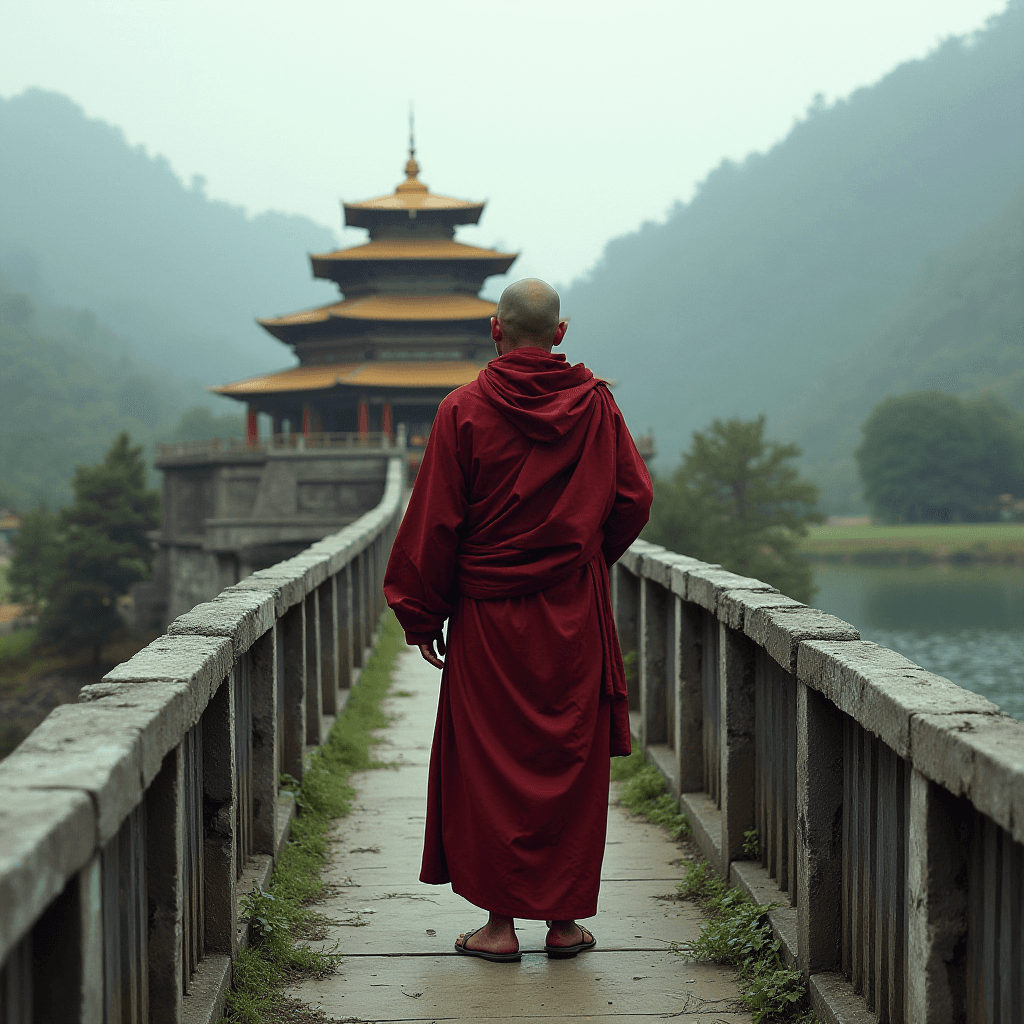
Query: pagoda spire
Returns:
{"type": "Point", "coordinates": [412, 168]}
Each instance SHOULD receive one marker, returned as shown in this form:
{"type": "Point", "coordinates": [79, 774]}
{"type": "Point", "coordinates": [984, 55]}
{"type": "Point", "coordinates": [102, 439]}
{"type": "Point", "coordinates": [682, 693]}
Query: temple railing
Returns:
{"type": "Point", "coordinates": [132, 822]}
{"type": "Point", "coordinates": [276, 443]}
{"type": "Point", "coordinates": [881, 805]}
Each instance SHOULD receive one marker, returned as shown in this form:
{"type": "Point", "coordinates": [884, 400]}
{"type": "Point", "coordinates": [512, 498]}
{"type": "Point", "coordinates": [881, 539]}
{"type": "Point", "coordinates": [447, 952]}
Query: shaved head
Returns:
{"type": "Point", "coordinates": [528, 311]}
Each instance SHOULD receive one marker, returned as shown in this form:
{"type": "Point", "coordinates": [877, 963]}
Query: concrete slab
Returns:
{"type": "Point", "coordinates": [397, 934]}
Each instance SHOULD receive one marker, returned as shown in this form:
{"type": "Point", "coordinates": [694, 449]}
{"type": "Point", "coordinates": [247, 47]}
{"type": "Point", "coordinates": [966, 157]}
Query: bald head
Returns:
{"type": "Point", "coordinates": [528, 314]}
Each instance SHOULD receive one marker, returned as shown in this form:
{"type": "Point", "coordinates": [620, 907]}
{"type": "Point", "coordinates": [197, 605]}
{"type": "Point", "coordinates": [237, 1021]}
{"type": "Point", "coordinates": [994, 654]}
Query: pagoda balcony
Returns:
{"type": "Point", "coordinates": [217, 447]}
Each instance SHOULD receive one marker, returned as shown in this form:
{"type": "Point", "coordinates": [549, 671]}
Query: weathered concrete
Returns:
{"type": "Point", "coordinates": [819, 824]}
{"type": "Point", "coordinates": [736, 606]}
{"type": "Point", "coordinates": [241, 615]}
{"type": "Point", "coordinates": [651, 663]}
{"type": "Point", "coordinates": [685, 662]}
{"type": "Point", "coordinates": [881, 689]}
{"type": "Point", "coordinates": [397, 933]}
{"type": "Point", "coordinates": [706, 585]}
{"type": "Point", "coordinates": [45, 837]}
{"type": "Point", "coordinates": [736, 693]}
{"type": "Point", "coordinates": [781, 630]}
{"type": "Point", "coordinates": [980, 756]}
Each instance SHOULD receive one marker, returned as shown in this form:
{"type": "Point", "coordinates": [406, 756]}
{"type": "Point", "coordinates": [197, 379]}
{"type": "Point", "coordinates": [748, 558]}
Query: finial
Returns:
{"type": "Point", "coordinates": [412, 168]}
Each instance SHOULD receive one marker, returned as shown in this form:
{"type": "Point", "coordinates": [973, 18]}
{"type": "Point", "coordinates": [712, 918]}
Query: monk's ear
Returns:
{"type": "Point", "coordinates": [560, 333]}
{"type": "Point", "coordinates": [496, 332]}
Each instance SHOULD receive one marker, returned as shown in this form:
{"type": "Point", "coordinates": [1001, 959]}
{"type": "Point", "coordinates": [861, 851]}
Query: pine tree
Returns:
{"type": "Point", "coordinates": [36, 548]}
{"type": "Point", "coordinates": [737, 499]}
{"type": "Point", "coordinates": [105, 550]}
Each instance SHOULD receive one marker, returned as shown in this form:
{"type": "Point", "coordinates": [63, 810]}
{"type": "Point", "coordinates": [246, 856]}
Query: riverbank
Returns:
{"type": "Point", "coordinates": [959, 543]}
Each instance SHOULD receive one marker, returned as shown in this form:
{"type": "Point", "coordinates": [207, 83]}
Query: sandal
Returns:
{"type": "Point", "coordinates": [568, 952]}
{"type": "Point", "coordinates": [498, 958]}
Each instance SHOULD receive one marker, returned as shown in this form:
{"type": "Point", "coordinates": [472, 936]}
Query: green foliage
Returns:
{"type": "Point", "coordinates": [104, 550]}
{"type": "Point", "coordinates": [283, 915]}
{"type": "Point", "coordinates": [738, 933]}
{"type": "Point", "coordinates": [644, 794]}
{"type": "Point", "coordinates": [929, 456]}
{"type": "Point", "coordinates": [36, 550]}
{"type": "Point", "coordinates": [737, 499]}
{"type": "Point", "coordinates": [752, 844]}
{"type": "Point", "coordinates": [17, 647]}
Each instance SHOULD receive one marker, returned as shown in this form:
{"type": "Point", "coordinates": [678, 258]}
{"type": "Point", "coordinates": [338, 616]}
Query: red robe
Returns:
{"type": "Point", "coordinates": [530, 487]}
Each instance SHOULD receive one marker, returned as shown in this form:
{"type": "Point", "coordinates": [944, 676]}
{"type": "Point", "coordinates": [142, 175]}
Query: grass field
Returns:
{"type": "Point", "coordinates": [962, 542]}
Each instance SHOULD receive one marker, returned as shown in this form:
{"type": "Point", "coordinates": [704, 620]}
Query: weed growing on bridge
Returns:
{"type": "Point", "coordinates": [285, 914]}
{"type": "Point", "coordinates": [644, 794]}
{"type": "Point", "coordinates": [739, 933]}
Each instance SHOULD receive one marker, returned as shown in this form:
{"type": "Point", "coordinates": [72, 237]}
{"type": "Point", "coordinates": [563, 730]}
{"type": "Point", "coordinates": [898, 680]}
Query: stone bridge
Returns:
{"type": "Point", "coordinates": [888, 803]}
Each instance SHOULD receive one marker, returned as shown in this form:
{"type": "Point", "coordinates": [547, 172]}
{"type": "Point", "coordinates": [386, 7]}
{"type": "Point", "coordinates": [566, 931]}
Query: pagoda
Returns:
{"type": "Point", "coordinates": [408, 329]}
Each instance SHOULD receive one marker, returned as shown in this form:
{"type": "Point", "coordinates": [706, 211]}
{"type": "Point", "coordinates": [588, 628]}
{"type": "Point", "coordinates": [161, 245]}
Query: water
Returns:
{"type": "Point", "coordinates": [965, 623]}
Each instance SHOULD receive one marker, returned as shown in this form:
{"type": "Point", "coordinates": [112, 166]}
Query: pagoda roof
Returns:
{"type": "Point", "coordinates": [454, 306]}
{"type": "Point", "coordinates": [410, 198]}
{"type": "Point", "coordinates": [415, 249]}
{"type": "Point", "coordinates": [376, 374]}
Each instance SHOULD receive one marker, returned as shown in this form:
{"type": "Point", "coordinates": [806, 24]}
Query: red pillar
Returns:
{"type": "Point", "coordinates": [305, 421]}
{"type": "Point", "coordinates": [252, 429]}
{"type": "Point", "coordinates": [364, 418]}
{"type": "Point", "coordinates": [386, 422]}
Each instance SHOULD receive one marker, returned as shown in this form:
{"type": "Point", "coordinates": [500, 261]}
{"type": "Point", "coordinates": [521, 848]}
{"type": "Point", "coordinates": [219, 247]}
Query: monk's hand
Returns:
{"type": "Point", "coordinates": [429, 655]}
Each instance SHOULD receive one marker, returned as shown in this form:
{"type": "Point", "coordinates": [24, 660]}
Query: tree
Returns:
{"type": "Point", "coordinates": [36, 548]}
{"type": "Point", "coordinates": [105, 550]}
{"type": "Point", "coordinates": [928, 456]}
{"type": "Point", "coordinates": [737, 499]}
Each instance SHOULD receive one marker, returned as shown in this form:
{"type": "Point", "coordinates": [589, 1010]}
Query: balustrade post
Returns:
{"type": "Point", "coordinates": [689, 716]}
{"type": "Point", "coordinates": [329, 644]}
{"type": "Point", "coordinates": [651, 663]}
{"type": "Point", "coordinates": [66, 946]}
{"type": "Point", "coordinates": [736, 695]}
{"type": "Point", "coordinates": [265, 741]}
{"type": "Point", "coordinates": [358, 633]}
{"type": "Point", "coordinates": [165, 883]}
{"type": "Point", "coordinates": [220, 786]}
{"type": "Point", "coordinates": [819, 839]}
{"type": "Point", "coordinates": [314, 689]}
{"type": "Point", "coordinates": [936, 902]}
{"type": "Point", "coordinates": [293, 653]}
{"type": "Point", "coordinates": [343, 606]}
{"type": "Point", "coordinates": [627, 615]}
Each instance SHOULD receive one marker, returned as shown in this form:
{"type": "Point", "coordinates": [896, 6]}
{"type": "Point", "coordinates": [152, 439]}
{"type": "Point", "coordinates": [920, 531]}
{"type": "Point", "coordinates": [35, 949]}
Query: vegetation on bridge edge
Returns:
{"type": "Point", "coordinates": [737, 932]}
{"type": "Point", "coordinates": [284, 916]}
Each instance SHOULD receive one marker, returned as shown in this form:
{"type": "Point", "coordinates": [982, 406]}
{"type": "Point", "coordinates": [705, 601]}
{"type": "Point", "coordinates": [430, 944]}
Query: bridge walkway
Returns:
{"type": "Point", "coordinates": [397, 933]}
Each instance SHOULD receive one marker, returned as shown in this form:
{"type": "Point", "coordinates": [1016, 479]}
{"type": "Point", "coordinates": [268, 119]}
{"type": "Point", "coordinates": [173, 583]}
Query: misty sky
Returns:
{"type": "Point", "coordinates": [577, 120]}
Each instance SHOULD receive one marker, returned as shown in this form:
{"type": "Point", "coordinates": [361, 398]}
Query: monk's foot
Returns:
{"type": "Point", "coordinates": [567, 933]}
{"type": "Point", "coordinates": [497, 936]}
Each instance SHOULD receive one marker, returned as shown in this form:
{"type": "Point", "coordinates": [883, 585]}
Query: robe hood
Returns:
{"type": "Point", "coordinates": [539, 392]}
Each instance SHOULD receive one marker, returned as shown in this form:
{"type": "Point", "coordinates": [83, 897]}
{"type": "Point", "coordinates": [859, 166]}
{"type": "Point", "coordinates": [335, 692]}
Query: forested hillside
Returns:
{"type": "Point", "coordinates": [68, 385]}
{"type": "Point", "coordinates": [959, 328]}
{"type": "Point", "coordinates": [86, 220]}
{"type": "Point", "coordinates": [741, 299]}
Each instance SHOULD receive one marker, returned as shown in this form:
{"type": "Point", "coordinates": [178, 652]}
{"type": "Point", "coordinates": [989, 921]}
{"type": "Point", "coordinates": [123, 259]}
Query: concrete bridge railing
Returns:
{"type": "Point", "coordinates": [131, 823]}
{"type": "Point", "coordinates": [888, 803]}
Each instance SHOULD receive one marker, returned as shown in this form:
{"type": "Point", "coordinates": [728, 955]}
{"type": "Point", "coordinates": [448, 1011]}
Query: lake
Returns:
{"type": "Point", "coordinates": [962, 622]}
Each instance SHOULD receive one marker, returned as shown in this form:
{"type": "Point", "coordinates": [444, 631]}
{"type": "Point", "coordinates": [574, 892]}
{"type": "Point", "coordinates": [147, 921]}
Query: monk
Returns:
{"type": "Point", "coordinates": [529, 489]}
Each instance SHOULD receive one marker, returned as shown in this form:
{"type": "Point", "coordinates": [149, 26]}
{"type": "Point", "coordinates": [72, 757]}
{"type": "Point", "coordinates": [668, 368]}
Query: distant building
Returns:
{"type": "Point", "coordinates": [409, 327]}
{"type": "Point", "coordinates": [10, 523]}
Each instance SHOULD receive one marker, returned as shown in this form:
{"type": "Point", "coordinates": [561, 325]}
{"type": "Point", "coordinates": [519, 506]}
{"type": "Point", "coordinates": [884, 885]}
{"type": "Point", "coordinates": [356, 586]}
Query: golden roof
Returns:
{"type": "Point", "coordinates": [412, 194]}
{"type": "Point", "coordinates": [414, 249]}
{"type": "Point", "coordinates": [412, 374]}
{"type": "Point", "coordinates": [392, 307]}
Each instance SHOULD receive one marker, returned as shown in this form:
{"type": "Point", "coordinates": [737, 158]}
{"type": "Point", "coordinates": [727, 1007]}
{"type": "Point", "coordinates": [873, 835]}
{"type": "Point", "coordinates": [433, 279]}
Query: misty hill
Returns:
{"type": "Point", "coordinates": [87, 220]}
{"type": "Point", "coordinates": [68, 386]}
{"type": "Point", "coordinates": [959, 328]}
{"type": "Point", "coordinates": [738, 302]}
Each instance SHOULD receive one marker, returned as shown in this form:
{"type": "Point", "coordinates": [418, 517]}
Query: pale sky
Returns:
{"type": "Point", "coordinates": [577, 119]}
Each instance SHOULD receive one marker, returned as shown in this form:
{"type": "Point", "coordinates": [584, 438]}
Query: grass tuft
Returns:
{"type": "Point", "coordinates": [738, 933]}
{"type": "Point", "coordinates": [284, 914]}
{"type": "Point", "coordinates": [644, 794]}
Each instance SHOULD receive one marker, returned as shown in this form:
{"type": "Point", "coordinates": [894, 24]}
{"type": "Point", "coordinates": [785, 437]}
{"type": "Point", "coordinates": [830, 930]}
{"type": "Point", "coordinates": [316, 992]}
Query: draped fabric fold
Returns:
{"type": "Point", "coordinates": [530, 488]}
